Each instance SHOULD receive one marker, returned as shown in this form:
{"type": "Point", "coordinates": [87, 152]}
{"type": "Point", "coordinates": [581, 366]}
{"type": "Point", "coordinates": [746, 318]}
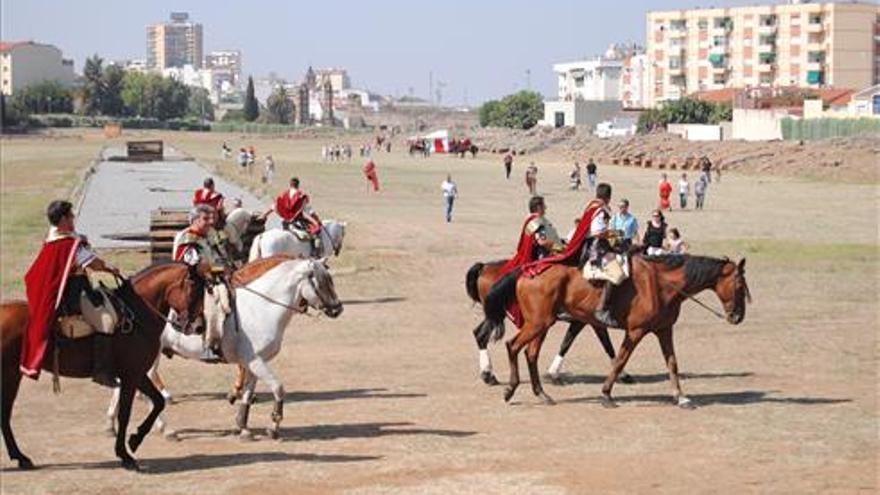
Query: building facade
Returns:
{"type": "Point", "coordinates": [25, 63]}
{"type": "Point", "coordinates": [805, 45]}
{"type": "Point", "coordinates": [174, 44]}
{"type": "Point", "coordinates": [593, 80]}
{"type": "Point", "coordinates": [225, 63]}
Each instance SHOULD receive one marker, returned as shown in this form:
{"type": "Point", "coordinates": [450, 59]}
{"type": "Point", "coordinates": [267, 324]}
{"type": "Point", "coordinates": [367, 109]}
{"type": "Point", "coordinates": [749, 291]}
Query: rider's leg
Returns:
{"type": "Point", "coordinates": [603, 310]}
{"type": "Point", "coordinates": [103, 369]}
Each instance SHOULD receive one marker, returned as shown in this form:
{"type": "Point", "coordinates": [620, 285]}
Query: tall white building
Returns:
{"type": "Point", "coordinates": [174, 44]}
{"type": "Point", "coordinates": [25, 63]}
{"type": "Point", "coordinates": [226, 64]}
{"type": "Point", "coordinates": [593, 80]}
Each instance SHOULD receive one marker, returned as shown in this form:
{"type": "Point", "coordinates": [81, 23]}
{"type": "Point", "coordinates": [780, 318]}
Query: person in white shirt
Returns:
{"type": "Point", "coordinates": [450, 191]}
{"type": "Point", "coordinates": [684, 188]}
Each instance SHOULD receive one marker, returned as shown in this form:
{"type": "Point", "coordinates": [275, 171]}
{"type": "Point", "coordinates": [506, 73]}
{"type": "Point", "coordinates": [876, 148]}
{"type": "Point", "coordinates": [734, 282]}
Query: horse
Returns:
{"type": "Point", "coordinates": [649, 301]}
{"type": "Point", "coordinates": [268, 292]}
{"type": "Point", "coordinates": [239, 234]}
{"type": "Point", "coordinates": [280, 241]}
{"type": "Point", "coordinates": [148, 296]}
{"type": "Point", "coordinates": [478, 281]}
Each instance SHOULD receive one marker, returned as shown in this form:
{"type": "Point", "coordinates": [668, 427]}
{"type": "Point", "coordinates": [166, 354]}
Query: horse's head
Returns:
{"type": "Point", "coordinates": [316, 289]}
{"type": "Point", "coordinates": [733, 291]}
{"type": "Point", "coordinates": [184, 293]}
{"type": "Point", "coordinates": [336, 232]}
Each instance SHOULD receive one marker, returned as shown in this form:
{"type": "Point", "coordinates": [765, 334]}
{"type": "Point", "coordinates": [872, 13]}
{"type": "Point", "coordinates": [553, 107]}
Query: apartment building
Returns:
{"type": "Point", "coordinates": [227, 64]}
{"type": "Point", "coordinates": [798, 44]}
{"type": "Point", "coordinates": [24, 63]}
{"type": "Point", "coordinates": [174, 44]}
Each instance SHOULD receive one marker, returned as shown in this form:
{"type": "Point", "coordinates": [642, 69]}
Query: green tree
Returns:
{"type": "Point", "coordinates": [684, 111]}
{"type": "Point", "coordinates": [251, 105]}
{"type": "Point", "coordinates": [139, 93]}
{"type": "Point", "coordinates": [200, 105]}
{"type": "Point", "coordinates": [92, 90]}
{"type": "Point", "coordinates": [43, 97]}
{"type": "Point", "coordinates": [279, 107]}
{"type": "Point", "coordinates": [521, 110]}
{"type": "Point", "coordinates": [111, 91]}
{"type": "Point", "coordinates": [173, 99]}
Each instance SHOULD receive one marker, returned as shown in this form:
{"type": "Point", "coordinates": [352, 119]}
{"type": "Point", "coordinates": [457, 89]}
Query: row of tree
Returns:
{"type": "Point", "coordinates": [684, 111]}
{"type": "Point", "coordinates": [517, 111]}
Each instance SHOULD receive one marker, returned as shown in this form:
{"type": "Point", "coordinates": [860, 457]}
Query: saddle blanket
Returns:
{"type": "Point", "coordinates": [614, 270]}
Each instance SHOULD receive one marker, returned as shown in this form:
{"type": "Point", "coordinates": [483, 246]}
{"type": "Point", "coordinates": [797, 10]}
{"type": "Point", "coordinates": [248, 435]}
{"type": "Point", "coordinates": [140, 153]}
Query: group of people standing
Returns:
{"type": "Point", "coordinates": [336, 152]}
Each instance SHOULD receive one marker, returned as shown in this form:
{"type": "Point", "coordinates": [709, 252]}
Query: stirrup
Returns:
{"type": "Point", "coordinates": [604, 317]}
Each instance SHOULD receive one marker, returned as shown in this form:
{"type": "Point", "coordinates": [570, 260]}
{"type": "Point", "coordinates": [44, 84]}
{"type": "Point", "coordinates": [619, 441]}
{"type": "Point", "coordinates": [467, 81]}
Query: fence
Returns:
{"type": "Point", "coordinates": [252, 128]}
{"type": "Point", "coordinates": [811, 129]}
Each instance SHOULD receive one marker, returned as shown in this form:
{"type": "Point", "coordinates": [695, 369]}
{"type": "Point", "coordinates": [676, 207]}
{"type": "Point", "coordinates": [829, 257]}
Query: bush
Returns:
{"type": "Point", "coordinates": [517, 111]}
{"type": "Point", "coordinates": [684, 111]}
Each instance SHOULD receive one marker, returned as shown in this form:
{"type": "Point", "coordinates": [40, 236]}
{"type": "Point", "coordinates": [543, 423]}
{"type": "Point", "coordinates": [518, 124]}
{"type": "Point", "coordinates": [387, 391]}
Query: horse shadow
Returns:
{"type": "Point", "coordinates": [203, 462]}
{"type": "Point", "coordinates": [375, 300]}
{"type": "Point", "coordinates": [318, 396]}
{"type": "Point", "coordinates": [742, 398]}
{"type": "Point", "coordinates": [570, 379]}
{"type": "Point", "coordinates": [328, 432]}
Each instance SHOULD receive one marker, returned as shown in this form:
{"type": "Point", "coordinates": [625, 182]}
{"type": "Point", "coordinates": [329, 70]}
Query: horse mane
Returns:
{"type": "Point", "coordinates": [699, 271]}
{"type": "Point", "coordinates": [154, 266]}
{"type": "Point", "coordinates": [253, 270]}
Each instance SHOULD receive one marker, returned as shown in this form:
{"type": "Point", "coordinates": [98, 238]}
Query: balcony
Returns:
{"type": "Point", "coordinates": [767, 29]}
{"type": "Point", "coordinates": [816, 66]}
{"type": "Point", "coordinates": [676, 33]}
{"type": "Point", "coordinates": [815, 77]}
{"type": "Point", "coordinates": [767, 48]}
{"type": "Point", "coordinates": [675, 71]}
{"type": "Point", "coordinates": [765, 67]}
{"type": "Point", "coordinates": [815, 28]}
{"type": "Point", "coordinates": [815, 46]}
{"type": "Point", "coordinates": [719, 49]}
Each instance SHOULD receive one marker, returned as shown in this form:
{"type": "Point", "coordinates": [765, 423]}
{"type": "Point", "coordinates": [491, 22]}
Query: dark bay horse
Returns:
{"type": "Point", "coordinates": [478, 281]}
{"type": "Point", "coordinates": [148, 295]}
{"type": "Point", "coordinates": [649, 301]}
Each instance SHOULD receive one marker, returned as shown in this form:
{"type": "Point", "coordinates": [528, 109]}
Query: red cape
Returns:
{"type": "Point", "coordinates": [289, 208]}
{"type": "Point", "coordinates": [525, 249]}
{"type": "Point", "coordinates": [370, 173]}
{"type": "Point", "coordinates": [665, 189]}
{"type": "Point", "coordinates": [575, 244]}
{"type": "Point", "coordinates": [208, 197]}
{"type": "Point", "coordinates": [44, 284]}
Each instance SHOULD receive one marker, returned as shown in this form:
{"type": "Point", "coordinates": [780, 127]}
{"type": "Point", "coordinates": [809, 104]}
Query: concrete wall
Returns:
{"type": "Point", "coordinates": [29, 64]}
{"type": "Point", "coordinates": [580, 112]}
{"type": "Point", "coordinates": [757, 125]}
{"type": "Point", "coordinates": [696, 132]}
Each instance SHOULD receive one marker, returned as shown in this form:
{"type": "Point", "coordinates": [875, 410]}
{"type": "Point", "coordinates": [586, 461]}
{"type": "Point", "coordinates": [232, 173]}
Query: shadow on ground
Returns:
{"type": "Point", "coordinates": [569, 379]}
{"type": "Point", "coordinates": [376, 300]}
{"type": "Point", "coordinates": [319, 396]}
{"type": "Point", "coordinates": [334, 431]}
{"type": "Point", "coordinates": [744, 398]}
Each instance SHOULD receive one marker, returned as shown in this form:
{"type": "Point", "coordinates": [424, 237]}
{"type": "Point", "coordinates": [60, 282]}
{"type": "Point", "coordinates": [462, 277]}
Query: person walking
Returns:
{"type": "Point", "coordinates": [268, 170]}
{"type": "Point", "coordinates": [591, 174]}
{"type": "Point", "coordinates": [532, 178]}
{"type": "Point", "coordinates": [574, 177]}
{"type": "Point", "coordinates": [508, 165]}
{"type": "Point", "coordinates": [625, 222]}
{"type": "Point", "coordinates": [371, 175]}
{"type": "Point", "coordinates": [450, 191]}
{"type": "Point", "coordinates": [700, 192]}
{"type": "Point", "coordinates": [665, 190]}
{"type": "Point", "coordinates": [655, 234]}
{"type": "Point", "coordinates": [684, 189]}
{"type": "Point", "coordinates": [706, 168]}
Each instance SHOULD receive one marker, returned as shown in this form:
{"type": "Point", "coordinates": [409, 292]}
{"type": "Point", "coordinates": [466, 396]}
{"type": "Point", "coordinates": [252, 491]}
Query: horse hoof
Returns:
{"type": "Point", "coordinates": [25, 464]}
{"type": "Point", "coordinates": [110, 431]}
{"type": "Point", "coordinates": [508, 393]}
{"type": "Point", "coordinates": [134, 441]}
{"type": "Point", "coordinates": [489, 378]}
{"type": "Point", "coordinates": [272, 433]}
{"type": "Point", "coordinates": [607, 402]}
{"type": "Point", "coordinates": [130, 465]}
{"type": "Point", "coordinates": [171, 436]}
{"type": "Point", "coordinates": [548, 401]}
{"type": "Point", "coordinates": [245, 436]}
{"type": "Point", "coordinates": [626, 378]}
{"type": "Point", "coordinates": [231, 397]}
{"type": "Point", "coordinates": [557, 380]}
{"type": "Point", "coordinates": [686, 404]}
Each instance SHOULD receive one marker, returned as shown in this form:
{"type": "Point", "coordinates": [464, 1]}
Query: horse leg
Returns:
{"type": "Point", "coordinates": [237, 385]}
{"type": "Point", "coordinates": [244, 406]}
{"type": "Point", "coordinates": [605, 340]}
{"type": "Point", "coordinates": [555, 369]}
{"type": "Point", "coordinates": [147, 388]}
{"type": "Point", "coordinates": [261, 370]}
{"type": "Point", "coordinates": [153, 373]}
{"type": "Point", "coordinates": [514, 345]}
{"type": "Point", "coordinates": [630, 341]}
{"type": "Point", "coordinates": [11, 382]}
{"type": "Point", "coordinates": [126, 397]}
{"type": "Point", "coordinates": [532, 359]}
{"type": "Point", "coordinates": [664, 336]}
{"type": "Point", "coordinates": [112, 412]}
{"type": "Point", "coordinates": [482, 338]}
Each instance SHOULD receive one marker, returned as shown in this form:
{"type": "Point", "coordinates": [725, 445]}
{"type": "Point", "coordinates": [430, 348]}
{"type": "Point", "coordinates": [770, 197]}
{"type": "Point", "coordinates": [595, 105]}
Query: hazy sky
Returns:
{"type": "Point", "coordinates": [479, 49]}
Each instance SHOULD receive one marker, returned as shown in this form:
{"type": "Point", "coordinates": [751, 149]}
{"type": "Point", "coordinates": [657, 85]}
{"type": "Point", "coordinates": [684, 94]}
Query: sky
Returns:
{"type": "Point", "coordinates": [478, 49]}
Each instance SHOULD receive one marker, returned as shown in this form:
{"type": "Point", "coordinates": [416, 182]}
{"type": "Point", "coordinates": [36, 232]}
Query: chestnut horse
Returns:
{"type": "Point", "coordinates": [478, 281]}
{"type": "Point", "coordinates": [148, 296]}
{"type": "Point", "coordinates": [649, 301]}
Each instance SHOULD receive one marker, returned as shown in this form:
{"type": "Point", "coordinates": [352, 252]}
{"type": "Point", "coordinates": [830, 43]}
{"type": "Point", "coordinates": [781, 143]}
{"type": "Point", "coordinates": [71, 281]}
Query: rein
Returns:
{"type": "Point", "coordinates": [175, 325]}
{"type": "Point", "coordinates": [274, 301]}
{"type": "Point", "coordinates": [694, 299]}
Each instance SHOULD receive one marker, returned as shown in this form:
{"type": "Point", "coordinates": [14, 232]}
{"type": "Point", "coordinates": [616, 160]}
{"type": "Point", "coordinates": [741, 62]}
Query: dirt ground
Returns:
{"type": "Point", "coordinates": [386, 398]}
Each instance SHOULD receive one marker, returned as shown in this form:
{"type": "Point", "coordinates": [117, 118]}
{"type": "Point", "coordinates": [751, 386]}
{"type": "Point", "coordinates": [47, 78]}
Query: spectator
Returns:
{"type": "Point", "coordinates": [675, 244]}
{"type": "Point", "coordinates": [700, 192]}
{"type": "Point", "coordinates": [508, 164]}
{"type": "Point", "coordinates": [665, 190]}
{"type": "Point", "coordinates": [706, 168]}
{"type": "Point", "coordinates": [655, 234]}
{"type": "Point", "coordinates": [625, 222]}
{"type": "Point", "coordinates": [532, 178]}
{"type": "Point", "coordinates": [450, 191]}
{"type": "Point", "coordinates": [591, 174]}
{"type": "Point", "coordinates": [684, 189]}
{"type": "Point", "coordinates": [242, 160]}
{"type": "Point", "coordinates": [717, 173]}
{"type": "Point", "coordinates": [268, 170]}
{"type": "Point", "coordinates": [574, 177]}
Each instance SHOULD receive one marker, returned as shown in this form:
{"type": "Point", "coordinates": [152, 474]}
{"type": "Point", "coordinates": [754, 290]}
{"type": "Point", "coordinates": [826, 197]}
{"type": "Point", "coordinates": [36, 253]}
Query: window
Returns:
{"type": "Point", "coordinates": [816, 57]}
{"type": "Point", "coordinates": [678, 25]}
{"type": "Point", "coordinates": [675, 62]}
{"type": "Point", "coordinates": [766, 79]}
{"type": "Point", "coordinates": [702, 24]}
{"type": "Point", "coordinates": [816, 18]}
{"type": "Point", "coordinates": [767, 58]}
{"type": "Point", "coordinates": [579, 81]}
{"type": "Point", "coordinates": [723, 22]}
{"type": "Point", "coordinates": [767, 20]}
{"type": "Point", "coordinates": [719, 79]}
{"type": "Point", "coordinates": [767, 39]}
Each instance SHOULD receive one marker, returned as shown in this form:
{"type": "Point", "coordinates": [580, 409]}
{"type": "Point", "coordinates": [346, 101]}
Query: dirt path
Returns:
{"type": "Point", "coordinates": [386, 399]}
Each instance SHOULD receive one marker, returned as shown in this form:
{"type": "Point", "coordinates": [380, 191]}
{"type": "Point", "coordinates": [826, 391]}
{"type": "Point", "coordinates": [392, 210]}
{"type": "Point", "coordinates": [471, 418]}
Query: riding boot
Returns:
{"type": "Point", "coordinates": [102, 361]}
{"type": "Point", "coordinates": [603, 312]}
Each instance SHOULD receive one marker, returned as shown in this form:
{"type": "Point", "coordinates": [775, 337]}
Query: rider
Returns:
{"type": "Point", "coordinates": [199, 244]}
{"type": "Point", "coordinates": [602, 234]}
{"type": "Point", "coordinates": [207, 195]}
{"type": "Point", "coordinates": [54, 285]}
{"type": "Point", "coordinates": [294, 209]}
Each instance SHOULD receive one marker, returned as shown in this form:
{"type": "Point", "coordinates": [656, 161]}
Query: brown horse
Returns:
{"type": "Point", "coordinates": [649, 301]}
{"type": "Point", "coordinates": [478, 281]}
{"type": "Point", "coordinates": [148, 296]}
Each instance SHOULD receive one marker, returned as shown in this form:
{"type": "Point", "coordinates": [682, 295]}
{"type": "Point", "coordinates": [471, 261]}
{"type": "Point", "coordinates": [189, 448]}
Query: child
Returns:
{"type": "Point", "coordinates": [675, 244]}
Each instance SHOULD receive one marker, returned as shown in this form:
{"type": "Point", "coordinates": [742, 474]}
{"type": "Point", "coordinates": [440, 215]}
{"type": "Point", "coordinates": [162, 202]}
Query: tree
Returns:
{"type": "Point", "coordinates": [251, 105]}
{"type": "Point", "coordinates": [684, 111]}
{"type": "Point", "coordinates": [173, 99]}
{"type": "Point", "coordinates": [279, 107]}
{"type": "Point", "coordinates": [43, 97]}
{"type": "Point", "coordinates": [139, 93]}
{"type": "Point", "coordinates": [111, 91]}
{"type": "Point", "coordinates": [518, 111]}
{"type": "Point", "coordinates": [93, 85]}
{"type": "Point", "coordinates": [200, 105]}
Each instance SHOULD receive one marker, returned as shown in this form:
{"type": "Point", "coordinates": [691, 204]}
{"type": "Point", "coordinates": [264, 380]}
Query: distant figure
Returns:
{"type": "Point", "coordinates": [675, 244]}
{"type": "Point", "coordinates": [684, 189]}
{"type": "Point", "coordinates": [655, 234]}
{"type": "Point", "coordinates": [450, 191]}
{"type": "Point", "coordinates": [251, 159]}
{"type": "Point", "coordinates": [242, 160]}
{"type": "Point", "coordinates": [700, 192]}
{"type": "Point", "coordinates": [227, 152]}
{"type": "Point", "coordinates": [508, 164]}
{"type": "Point", "coordinates": [665, 190]}
{"type": "Point", "coordinates": [574, 177]}
{"type": "Point", "coordinates": [717, 168]}
{"type": "Point", "coordinates": [591, 174]}
{"type": "Point", "coordinates": [532, 178]}
{"type": "Point", "coordinates": [268, 170]}
{"type": "Point", "coordinates": [706, 168]}
{"type": "Point", "coordinates": [371, 175]}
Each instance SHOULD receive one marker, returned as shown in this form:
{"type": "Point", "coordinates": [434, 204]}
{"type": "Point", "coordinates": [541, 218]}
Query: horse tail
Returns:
{"type": "Point", "coordinates": [497, 300]}
{"type": "Point", "coordinates": [470, 282]}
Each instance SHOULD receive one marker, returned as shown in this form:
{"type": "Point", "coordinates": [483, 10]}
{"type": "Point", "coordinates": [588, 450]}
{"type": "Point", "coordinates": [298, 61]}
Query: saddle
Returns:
{"type": "Point", "coordinates": [97, 314]}
{"type": "Point", "coordinates": [612, 268]}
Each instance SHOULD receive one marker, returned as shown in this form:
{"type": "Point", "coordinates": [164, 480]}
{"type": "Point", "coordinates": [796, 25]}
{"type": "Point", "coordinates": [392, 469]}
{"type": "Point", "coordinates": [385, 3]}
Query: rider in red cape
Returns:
{"type": "Point", "coordinates": [63, 254]}
{"type": "Point", "coordinates": [576, 243]}
{"type": "Point", "coordinates": [292, 205]}
{"type": "Point", "coordinates": [208, 196]}
{"type": "Point", "coordinates": [370, 174]}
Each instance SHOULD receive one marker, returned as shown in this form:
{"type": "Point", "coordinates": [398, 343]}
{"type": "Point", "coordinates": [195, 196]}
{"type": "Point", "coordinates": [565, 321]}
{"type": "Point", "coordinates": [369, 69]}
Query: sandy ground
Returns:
{"type": "Point", "coordinates": [386, 399]}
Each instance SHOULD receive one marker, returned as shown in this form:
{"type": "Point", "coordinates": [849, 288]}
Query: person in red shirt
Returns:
{"type": "Point", "coordinates": [665, 190]}
{"type": "Point", "coordinates": [370, 174]}
{"type": "Point", "coordinates": [294, 209]}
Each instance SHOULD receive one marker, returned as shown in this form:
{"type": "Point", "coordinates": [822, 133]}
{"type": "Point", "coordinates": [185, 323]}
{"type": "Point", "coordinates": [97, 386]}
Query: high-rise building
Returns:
{"type": "Point", "coordinates": [25, 63]}
{"type": "Point", "coordinates": [798, 44]}
{"type": "Point", "coordinates": [174, 44]}
{"type": "Point", "coordinates": [226, 63]}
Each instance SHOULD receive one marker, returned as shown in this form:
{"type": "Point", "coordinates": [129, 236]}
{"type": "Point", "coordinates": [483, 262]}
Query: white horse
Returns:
{"type": "Point", "coordinates": [265, 306]}
{"type": "Point", "coordinates": [280, 241]}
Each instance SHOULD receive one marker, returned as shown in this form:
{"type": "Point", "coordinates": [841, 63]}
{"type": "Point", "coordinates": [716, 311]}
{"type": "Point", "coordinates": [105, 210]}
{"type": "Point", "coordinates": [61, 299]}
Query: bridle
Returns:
{"type": "Point", "coordinates": [310, 279]}
{"type": "Point", "coordinates": [739, 285]}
